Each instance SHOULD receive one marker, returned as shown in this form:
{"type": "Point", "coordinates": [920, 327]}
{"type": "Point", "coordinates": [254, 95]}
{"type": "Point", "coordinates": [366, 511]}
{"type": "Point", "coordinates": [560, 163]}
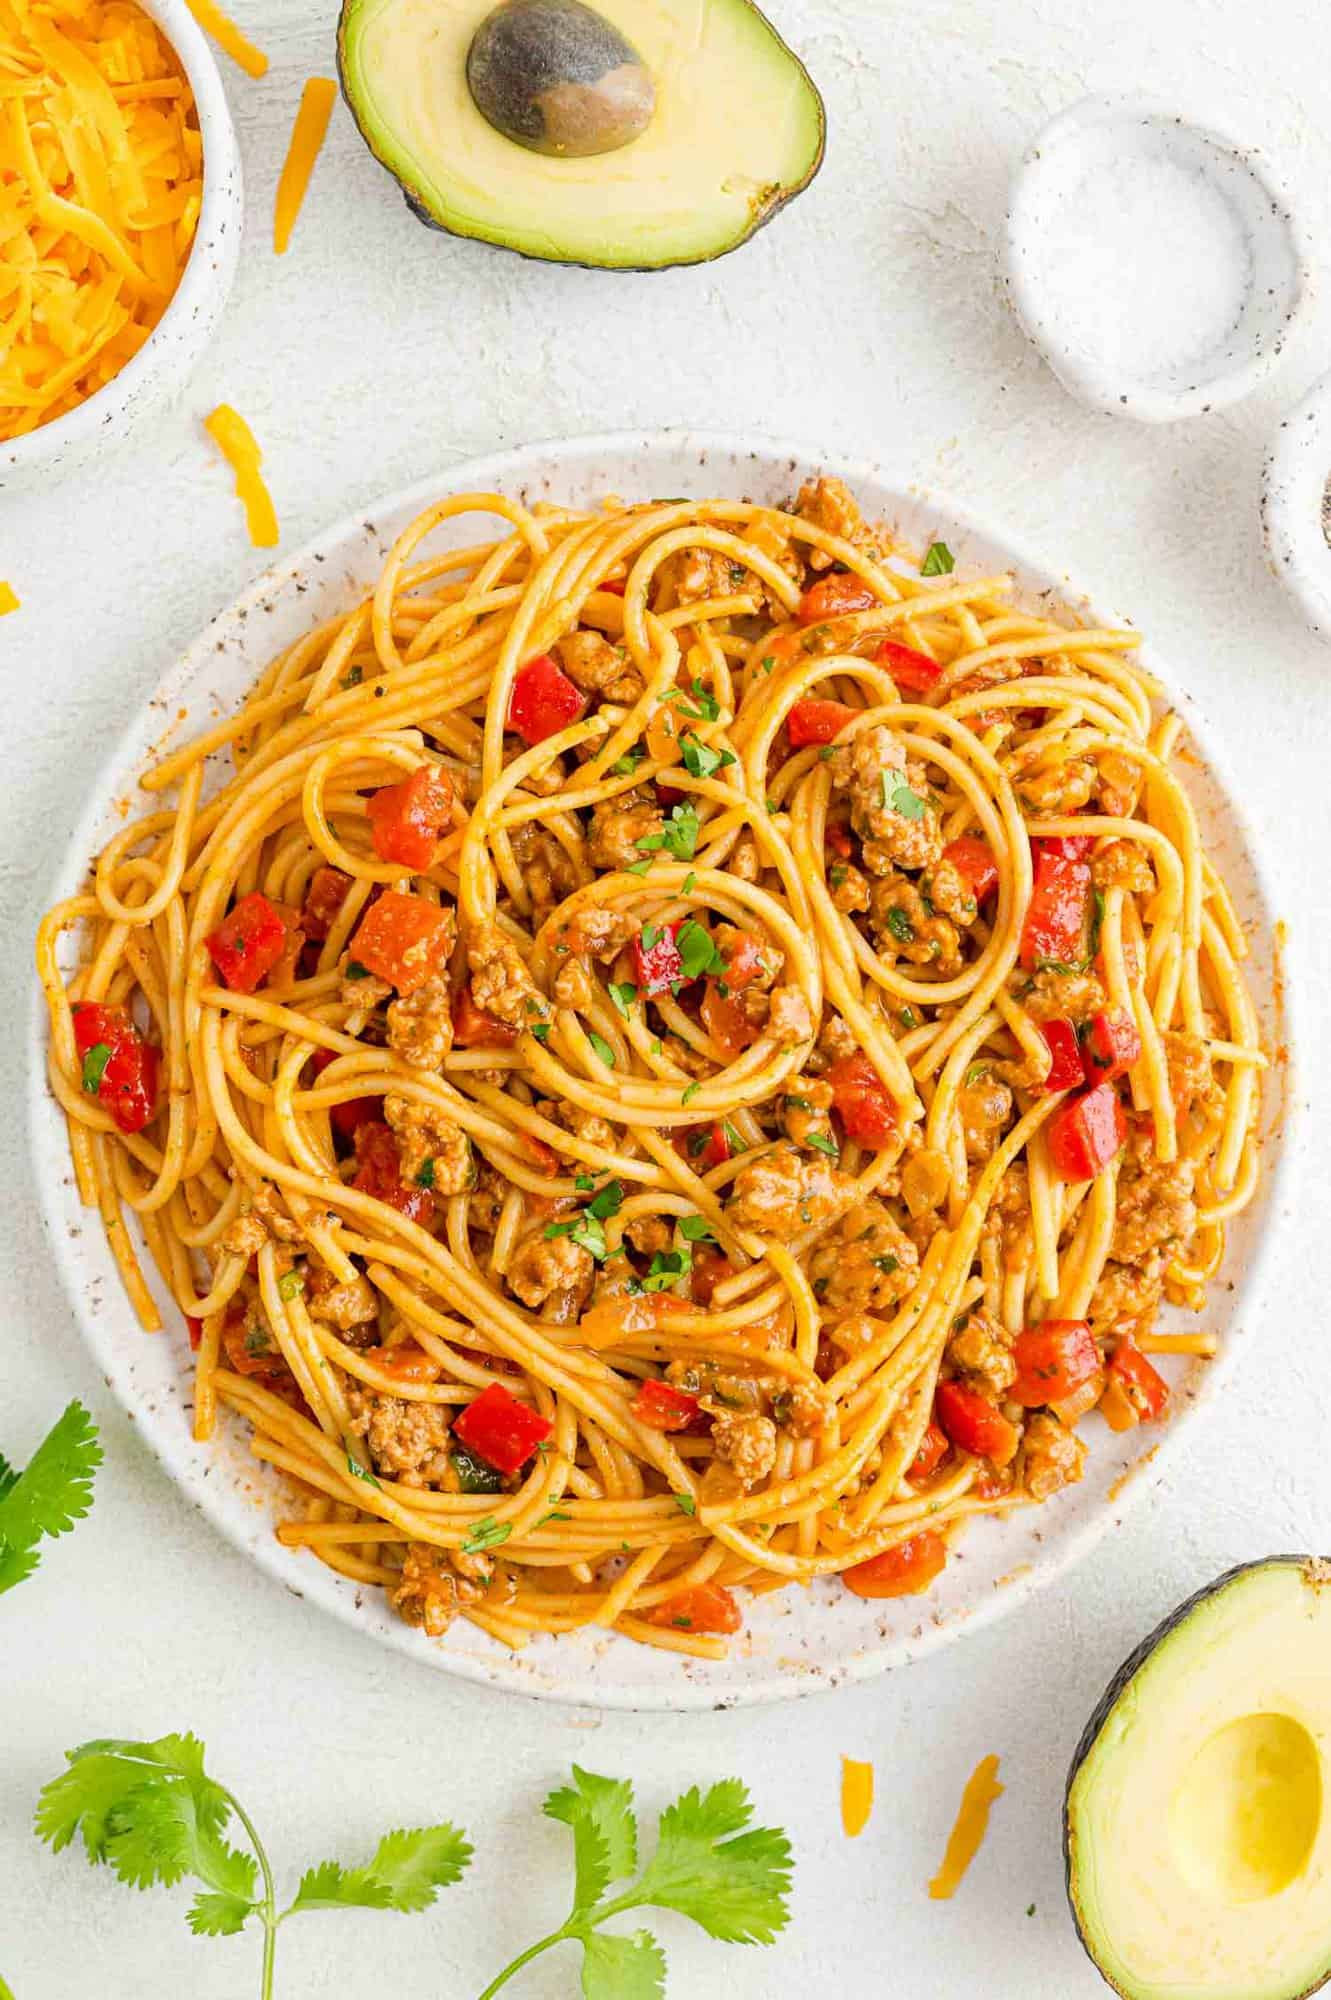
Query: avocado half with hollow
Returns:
{"type": "Point", "coordinates": [1197, 1825]}
{"type": "Point", "coordinates": [635, 134]}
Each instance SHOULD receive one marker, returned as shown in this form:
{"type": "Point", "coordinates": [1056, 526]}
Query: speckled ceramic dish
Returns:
{"type": "Point", "coordinates": [1075, 291]}
{"type": "Point", "coordinates": [1296, 506]}
{"type": "Point", "coordinates": [796, 1641]}
{"type": "Point", "coordinates": [160, 368]}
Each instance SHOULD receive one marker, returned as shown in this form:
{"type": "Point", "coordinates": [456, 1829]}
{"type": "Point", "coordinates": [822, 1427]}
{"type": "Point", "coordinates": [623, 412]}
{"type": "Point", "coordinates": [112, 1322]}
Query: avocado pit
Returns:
{"type": "Point", "coordinates": [558, 78]}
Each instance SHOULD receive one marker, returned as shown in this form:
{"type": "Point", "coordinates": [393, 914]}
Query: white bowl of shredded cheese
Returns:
{"type": "Point", "coordinates": [162, 364]}
{"type": "Point", "coordinates": [1155, 263]}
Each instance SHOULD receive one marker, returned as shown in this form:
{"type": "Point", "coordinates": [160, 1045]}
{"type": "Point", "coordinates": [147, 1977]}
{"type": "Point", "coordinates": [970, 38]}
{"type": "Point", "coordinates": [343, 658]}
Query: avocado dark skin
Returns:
{"type": "Point", "coordinates": [558, 78]}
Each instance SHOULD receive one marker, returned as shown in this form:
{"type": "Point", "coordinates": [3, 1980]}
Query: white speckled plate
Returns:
{"type": "Point", "coordinates": [793, 1642]}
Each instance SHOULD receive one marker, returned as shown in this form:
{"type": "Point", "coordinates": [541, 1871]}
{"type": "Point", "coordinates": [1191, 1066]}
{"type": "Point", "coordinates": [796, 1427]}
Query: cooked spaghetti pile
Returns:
{"type": "Point", "coordinates": [687, 1053]}
{"type": "Point", "coordinates": [101, 182]}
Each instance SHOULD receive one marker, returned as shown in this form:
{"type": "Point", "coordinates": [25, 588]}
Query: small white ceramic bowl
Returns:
{"type": "Point", "coordinates": [164, 361]}
{"type": "Point", "coordinates": [1296, 506]}
{"type": "Point", "coordinates": [1156, 264]}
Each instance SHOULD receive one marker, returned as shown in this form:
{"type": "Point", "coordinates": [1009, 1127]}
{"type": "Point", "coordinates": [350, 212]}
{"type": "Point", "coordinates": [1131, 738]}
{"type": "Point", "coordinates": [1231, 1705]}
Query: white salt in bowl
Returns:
{"type": "Point", "coordinates": [161, 366]}
{"type": "Point", "coordinates": [1296, 506]}
{"type": "Point", "coordinates": [1156, 264]}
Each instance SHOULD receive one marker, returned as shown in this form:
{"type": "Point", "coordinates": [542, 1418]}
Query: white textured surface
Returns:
{"type": "Point", "coordinates": [868, 317]}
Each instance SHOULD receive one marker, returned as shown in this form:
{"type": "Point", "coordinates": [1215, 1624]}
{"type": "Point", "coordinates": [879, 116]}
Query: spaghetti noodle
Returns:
{"type": "Point", "coordinates": [687, 1053]}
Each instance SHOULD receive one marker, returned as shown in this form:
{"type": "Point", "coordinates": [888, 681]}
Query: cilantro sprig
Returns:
{"type": "Point", "coordinates": [152, 1813]}
{"type": "Point", "coordinates": [678, 836]}
{"type": "Point", "coordinates": [53, 1491]}
{"type": "Point", "coordinates": [710, 1864]}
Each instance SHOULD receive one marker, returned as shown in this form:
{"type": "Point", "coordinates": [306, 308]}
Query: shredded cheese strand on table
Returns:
{"type": "Point", "coordinates": [228, 37]}
{"type": "Point", "coordinates": [99, 198]}
{"type": "Point", "coordinates": [972, 1823]}
{"type": "Point", "coordinates": [307, 137]}
{"type": "Point", "coordinates": [856, 1795]}
{"type": "Point", "coordinates": [236, 442]}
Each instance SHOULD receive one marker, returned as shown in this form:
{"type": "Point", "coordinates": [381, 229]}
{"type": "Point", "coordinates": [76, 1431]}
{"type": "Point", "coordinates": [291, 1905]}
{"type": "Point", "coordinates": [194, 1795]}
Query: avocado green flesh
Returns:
{"type": "Point", "coordinates": [1198, 1818]}
{"type": "Point", "coordinates": [737, 130]}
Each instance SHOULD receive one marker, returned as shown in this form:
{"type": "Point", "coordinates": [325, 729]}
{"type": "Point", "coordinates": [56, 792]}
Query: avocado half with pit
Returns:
{"type": "Point", "coordinates": [1197, 1826]}
{"type": "Point", "coordinates": [634, 135]}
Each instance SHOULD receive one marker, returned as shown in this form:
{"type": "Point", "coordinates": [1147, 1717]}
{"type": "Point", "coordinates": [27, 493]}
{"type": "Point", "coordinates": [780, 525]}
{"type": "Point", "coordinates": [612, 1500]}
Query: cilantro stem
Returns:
{"type": "Point", "coordinates": [525, 1958]}
{"type": "Point", "coordinates": [268, 1907]}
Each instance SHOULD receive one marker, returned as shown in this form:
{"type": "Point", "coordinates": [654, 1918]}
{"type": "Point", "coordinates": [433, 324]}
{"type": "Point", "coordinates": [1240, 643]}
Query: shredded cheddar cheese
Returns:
{"type": "Point", "coordinates": [8, 600]}
{"type": "Point", "coordinates": [856, 1795]}
{"type": "Point", "coordinates": [972, 1823]}
{"type": "Point", "coordinates": [235, 439]}
{"type": "Point", "coordinates": [228, 36]}
{"type": "Point", "coordinates": [307, 136]}
{"type": "Point", "coordinates": [101, 182]}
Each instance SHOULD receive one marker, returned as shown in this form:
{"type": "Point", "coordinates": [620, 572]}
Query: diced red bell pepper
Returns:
{"type": "Point", "coordinates": [249, 1348]}
{"type": "Point", "coordinates": [834, 597]}
{"type": "Point", "coordinates": [1056, 918]}
{"type": "Point", "coordinates": [1067, 1070]}
{"type": "Point", "coordinates": [323, 902]}
{"type": "Point", "coordinates": [248, 943]}
{"type": "Point", "coordinates": [125, 1079]}
{"type": "Point", "coordinates": [1085, 1133]}
{"type": "Point", "coordinates": [726, 1022]}
{"type": "Point", "coordinates": [379, 1172]}
{"type": "Point", "coordinates": [814, 721]}
{"type": "Point", "coordinates": [405, 940]}
{"type": "Point", "coordinates": [914, 673]}
{"type": "Point", "coordinates": [973, 859]}
{"type": "Point", "coordinates": [194, 1328]}
{"type": "Point", "coordinates": [500, 1429]}
{"type": "Point", "coordinates": [744, 961]}
{"type": "Point", "coordinates": [407, 819]}
{"type": "Point", "coordinates": [706, 1607]}
{"type": "Point", "coordinates": [717, 1150]}
{"type": "Point", "coordinates": [1053, 1360]}
{"type": "Point", "coordinates": [347, 1118]}
{"type": "Point", "coordinates": [862, 1101]}
{"type": "Point", "coordinates": [973, 1424]}
{"type": "Point", "coordinates": [1113, 1045]}
{"type": "Point", "coordinates": [544, 700]}
{"type": "Point", "coordinates": [663, 1407]}
{"type": "Point", "coordinates": [473, 1029]}
{"type": "Point", "coordinates": [903, 1571]}
{"type": "Point", "coordinates": [658, 965]}
{"type": "Point", "coordinates": [615, 587]}
{"type": "Point", "coordinates": [1068, 846]}
{"type": "Point", "coordinates": [933, 1450]}
{"type": "Point", "coordinates": [1145, 1389]}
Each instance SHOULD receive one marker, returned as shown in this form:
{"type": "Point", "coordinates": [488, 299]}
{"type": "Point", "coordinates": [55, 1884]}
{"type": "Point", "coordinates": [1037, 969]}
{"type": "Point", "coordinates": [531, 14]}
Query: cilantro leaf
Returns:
{"type": "Point", "coordinates": [607, 1201]}
{"type": "Point", "coordinates": [94, 1068]}
{"type": "Point", "coordinates": [52, 1492]}
{"type": "Point", "coordinates": [215, 1914]}
{"type": "Point", "coordinates": [822, 1142]}
{"type": "Point", "coordinates": [695, 1229]}
{"type": "Point", "coordinates": [701, 759]}
{"type": "Point", "coordinates": [623, 993]}
{"type": "Point", "coordinates": [584, 1229]}
{"type": "Point", "coordinates": [487, 1534]}
{"type": "Point", "coordinates": [900, 925]}
{"type": "Point", "coordinates": [938, 560]}
{"type": "Point", "coordinates": [622, 1968]}
{"type": "Point", "coordinates": [605, 1832]}
{"type": "Point", "coordinates": [602, 1048]}
{"type": "Point", "coordinates": [899, 798]}
{"type": "Point", "coordinates": [406, 1870]}
{"type": "Point", "coordinates": [8, 1476]}
{"type": "Point", "coordinates": [666, 1269]}
{"type": "Point", "coordinates": [678, 836]}
{"type": "Point", "coordinates": [685, 1503]}
{"type": "Point", "coordinates": [732, 1882]}
{"type": "Point", "coordinates": [697, 950]}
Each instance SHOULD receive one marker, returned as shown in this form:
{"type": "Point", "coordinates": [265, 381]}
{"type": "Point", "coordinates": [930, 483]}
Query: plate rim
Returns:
{"type": "Point", "coordinates": [502, 1672]}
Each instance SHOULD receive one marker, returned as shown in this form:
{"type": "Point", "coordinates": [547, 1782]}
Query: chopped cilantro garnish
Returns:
{"type": "Point", "coordinates": [607, 1201]}
{"type": "Point", "coordinates": [900, 925]}
{"type": "Point", "coordinates": [690, 883]}
{"type": "Point", "coordinates": [292, 1283]}
{"type": "Point", "coordinates": [623, 993]}
{"type": "Point", "coordinates": [908, 1018]}
{"type": "Point", "coordinates": [823, 1143]}
{"type": "Point", "coordinates": [887, 1265]}
{"type": "Point", "coordinates": [701, 759]}
{"type": "Point", "coordinates": [686, 1503]}
{"type": "Point", "coordinates": [899, 798]}
{"type": "Point", "coordinates": [666, 1269]}
{"type": "Point", "coordinates": [355, 970]}
{"type": "Point", "coordinates": [425, 1178]}
{"type": "Point", "coordinates": [737, 1144]}
{"type": "Point", "coordinates": [640, 867]}
{"type": "Point", "coordinates": [94, 1067]}
{"type": "Point", "coordinates": [625, 766]}
{"type": "Point", "coordinates": [679, 835]}
{"type": "Point", "coordinates": [695, 1229]}
{"type": "Point", "coordinates": [584, 1183]}
{"type": "Point", "coordinates": [697, 950]}
{"type": "Point", "coordinates": [687, 1096]}
{"type": "Point", "coordinates": [353, 677]}
{"type": "Point", "coordinates": [487, 1534]}
{"type": "Point", "coordinates": [938, 560]}
{"type": "Point", "coordinates": [602, 1048]}
{"type": "Point", "coordinates": [583, 1229]}
{"type": "Point", "coordinates": [541, 1030]}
